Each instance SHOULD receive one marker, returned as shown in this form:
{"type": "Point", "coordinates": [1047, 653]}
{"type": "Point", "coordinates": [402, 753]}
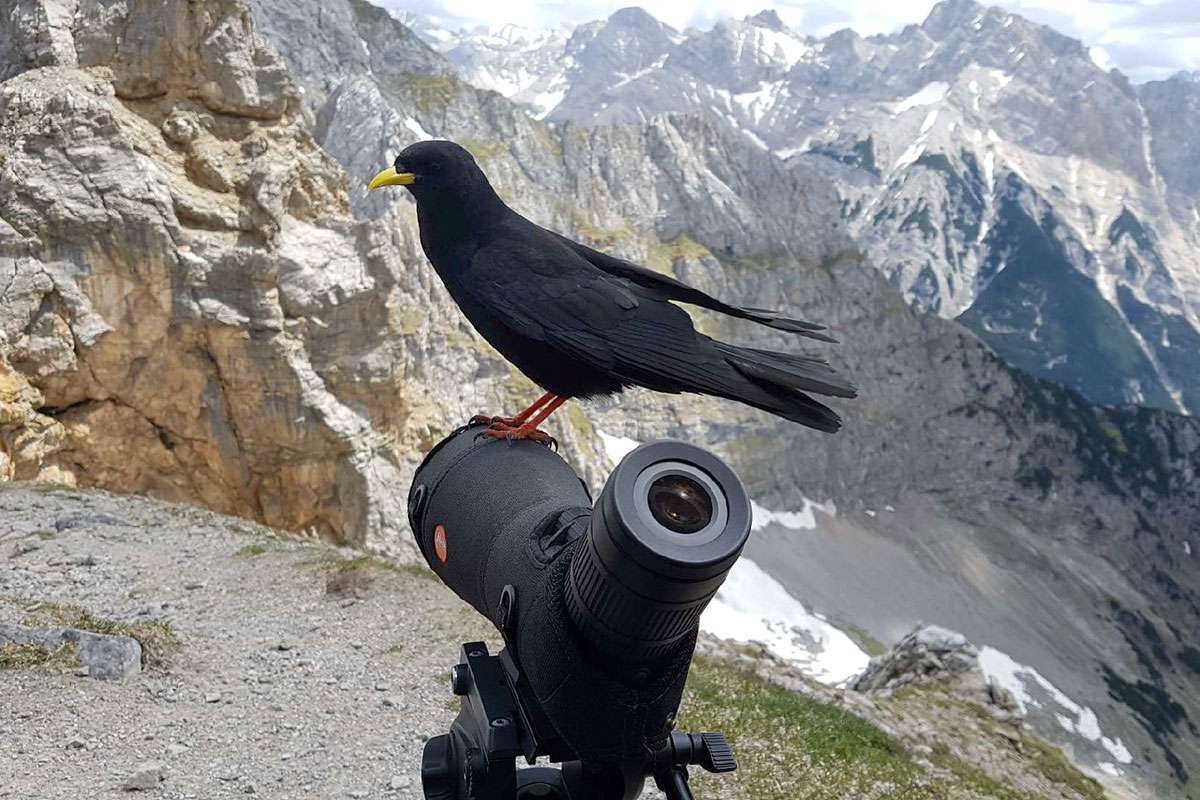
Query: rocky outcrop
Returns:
{"type": "Point", "coordinates": [931, 654]}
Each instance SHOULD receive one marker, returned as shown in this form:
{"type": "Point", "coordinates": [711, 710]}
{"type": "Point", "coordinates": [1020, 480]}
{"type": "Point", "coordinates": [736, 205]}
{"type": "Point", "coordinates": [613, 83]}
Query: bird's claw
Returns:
{"type": "Point", "coordinates": [500, 430]}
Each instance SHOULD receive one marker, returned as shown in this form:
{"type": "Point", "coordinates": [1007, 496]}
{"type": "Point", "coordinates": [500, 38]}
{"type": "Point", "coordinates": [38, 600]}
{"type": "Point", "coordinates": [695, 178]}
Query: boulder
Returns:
{"type": "Point", "coordinates": [109, 658]}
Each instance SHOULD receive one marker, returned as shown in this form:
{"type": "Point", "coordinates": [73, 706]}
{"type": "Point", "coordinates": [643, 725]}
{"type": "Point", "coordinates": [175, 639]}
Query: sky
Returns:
{"type": "Point", "coordinates": [1145, 39]}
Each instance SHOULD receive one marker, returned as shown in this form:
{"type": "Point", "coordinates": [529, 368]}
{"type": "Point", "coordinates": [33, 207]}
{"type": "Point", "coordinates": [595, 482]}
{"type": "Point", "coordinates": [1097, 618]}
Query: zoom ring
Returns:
{"type": "Point", "coordinates": [630, 624]}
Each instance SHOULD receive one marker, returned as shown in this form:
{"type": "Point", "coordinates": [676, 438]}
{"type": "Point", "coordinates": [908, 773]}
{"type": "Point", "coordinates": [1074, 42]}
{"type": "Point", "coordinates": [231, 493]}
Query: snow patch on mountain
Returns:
{"type": "Point", "coordinates": [751, 606]}
{"type": "Point", "coordinates": [616, 447]}
{"type": "Point", "coordinates": [1031, 689]}
{"type": "Point", "coordinates": [803, 520]}
{"type": "Point", "coordinates": [927, 95]}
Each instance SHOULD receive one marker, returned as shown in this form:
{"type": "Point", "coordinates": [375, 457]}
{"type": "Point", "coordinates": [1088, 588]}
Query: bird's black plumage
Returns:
{"type": "Point", "coordinates": [581, 323]}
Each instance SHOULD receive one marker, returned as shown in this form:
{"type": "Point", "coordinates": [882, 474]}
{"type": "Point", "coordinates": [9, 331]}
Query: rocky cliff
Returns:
{"type": "Point", "coordinates": [202, 304]}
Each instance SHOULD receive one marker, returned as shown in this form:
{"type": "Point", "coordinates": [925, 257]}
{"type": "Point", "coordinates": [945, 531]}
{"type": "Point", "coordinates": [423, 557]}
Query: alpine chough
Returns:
{"type": "Point", "coordinates": [581, 323]}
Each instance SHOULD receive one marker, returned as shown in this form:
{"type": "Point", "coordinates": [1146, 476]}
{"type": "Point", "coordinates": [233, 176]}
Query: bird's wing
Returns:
{"type": "Point", "coordinates": [671, 289]}
{"type": "Point", "coordinates": [553, 295]}
{"type": "Point", "coordinates": [545, 292]}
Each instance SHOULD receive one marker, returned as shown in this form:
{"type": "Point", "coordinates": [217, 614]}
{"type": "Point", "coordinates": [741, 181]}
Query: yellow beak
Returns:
{"type": "Point", "coordinates": [389, 177]}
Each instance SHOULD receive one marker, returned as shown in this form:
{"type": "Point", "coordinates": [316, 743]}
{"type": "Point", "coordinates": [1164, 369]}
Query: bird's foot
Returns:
{"type": "Point", "coordinates": [503, 422]}
{"type": "Point", "coordinates": [500, 430]}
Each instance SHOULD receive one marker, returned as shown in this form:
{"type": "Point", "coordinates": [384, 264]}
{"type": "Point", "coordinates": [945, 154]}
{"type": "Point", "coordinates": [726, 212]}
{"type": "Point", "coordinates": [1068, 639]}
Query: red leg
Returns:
{"type": "Point", "coordinates": [513, 422]}
{"type": "Point", "coordinates": [529, 430]}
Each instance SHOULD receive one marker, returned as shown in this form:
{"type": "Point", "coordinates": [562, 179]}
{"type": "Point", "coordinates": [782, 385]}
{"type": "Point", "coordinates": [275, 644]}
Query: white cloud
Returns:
{"type": "Point", "coordinates": [1146, 39]}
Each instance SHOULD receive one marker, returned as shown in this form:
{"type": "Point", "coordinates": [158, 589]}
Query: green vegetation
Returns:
{"type": "Point", "coordinates": [485, 149]}
{"type": "Point", "coordinates": [975, 778]}
{"type": "Point", "coordinates": [158, 639]}
{"type": "Point", "coordinates": [25, 656]}
{"type": "Point", "coordinates": [865, 641]}
{"type": "Point", "coordinates": [1044, 758]}
{"type": "Point", "coordinates": [252, 550]}
{"type": "Point", "coordinates": [662, 257]}
{"type": "Point", "coordinates": [1051, 762]}
{"type": "Point", "coordinates": [344, 565]}
{"type": "Point", "coordinates": [791, 746]}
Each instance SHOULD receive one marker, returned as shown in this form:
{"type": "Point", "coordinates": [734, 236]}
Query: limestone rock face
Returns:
{"type": "Point", "coordinates": [188, 308]}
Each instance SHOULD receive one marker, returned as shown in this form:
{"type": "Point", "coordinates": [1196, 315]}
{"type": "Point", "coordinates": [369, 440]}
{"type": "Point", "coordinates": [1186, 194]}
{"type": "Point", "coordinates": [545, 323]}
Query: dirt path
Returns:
{"type": "Point", "coordinates": [301, 671]}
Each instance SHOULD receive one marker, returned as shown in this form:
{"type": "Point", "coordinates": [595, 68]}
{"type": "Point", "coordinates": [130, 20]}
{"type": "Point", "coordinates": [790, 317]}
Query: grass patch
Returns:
{"type": "Point", "coordinates": [157, 637]}
{"type": "Point", "coordinates": [865, 641]}
{"type": "Point", "coordinates": [27, 656]}
{"type": "Point", "coordinates": [791, 746]}
{"type": "Point", "coordinates": [975, 778]}
{"type": "Point", "coordinates": [368, 563]}
{"type": "Point", "coordinates": [1051, 762]}
{"type": "Point", "coordinates": [256, 549]}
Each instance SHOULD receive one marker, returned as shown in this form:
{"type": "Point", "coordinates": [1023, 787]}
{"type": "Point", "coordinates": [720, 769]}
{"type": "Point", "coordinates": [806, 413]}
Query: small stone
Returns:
{"type": "Point", "coordinates": [382, 687]}
{"type": "Point", "coordinates": [399, 782]}
{"type": "Point", "coordinates": [21, 548]}
{"type": "Point", "coordinates": [283, 647]}
{"type": "Point", "coordinates": [145, 777]}
{"type": "Point", "coordinates": [83, 671]}
{"type": "Point", "coordinates": [191, 585]}
{"type": "Point", "coordinates": [357, 645]}
{"type": "Point", "coordinates": [75, 743]}
{"type": "Point", "coordinates": [87, 560]}
{"type": "Point", "coordinates": [358, 793]}
{"type": "Point", "coordinates": [212, 697]}
{"type": "Point", "coordinates": [177, 748]}
{"type": "Point", "coordinates": [391, 702]}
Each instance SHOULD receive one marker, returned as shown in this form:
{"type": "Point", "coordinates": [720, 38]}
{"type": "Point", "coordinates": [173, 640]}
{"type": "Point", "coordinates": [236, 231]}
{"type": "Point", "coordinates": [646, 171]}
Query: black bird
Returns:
{"type": "Point", "coordinates": [580, 323]}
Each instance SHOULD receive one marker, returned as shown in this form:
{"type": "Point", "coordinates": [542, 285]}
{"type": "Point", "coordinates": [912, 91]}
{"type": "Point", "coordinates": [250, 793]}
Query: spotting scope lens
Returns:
{"type": "Point", "coordinates": [680, 504]}
{"type": "Point", "coordinates": [668, 526]}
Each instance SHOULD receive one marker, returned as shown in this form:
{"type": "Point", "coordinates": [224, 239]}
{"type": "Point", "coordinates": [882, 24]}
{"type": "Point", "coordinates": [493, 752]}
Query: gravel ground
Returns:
{"type": "Point", "coordinates": [292, 679]}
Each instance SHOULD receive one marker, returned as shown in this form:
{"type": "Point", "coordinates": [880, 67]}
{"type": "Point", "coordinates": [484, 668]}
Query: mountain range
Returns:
{"type": "Point", "coordinates": [992, 170]}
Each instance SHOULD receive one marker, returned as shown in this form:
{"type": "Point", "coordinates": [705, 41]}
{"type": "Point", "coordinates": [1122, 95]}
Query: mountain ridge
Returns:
{"type": "Point", "coordinates": [923, 132]}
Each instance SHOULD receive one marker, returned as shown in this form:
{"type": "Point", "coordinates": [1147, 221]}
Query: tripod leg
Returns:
{"type": "Point", "coordinates": [674, 783]}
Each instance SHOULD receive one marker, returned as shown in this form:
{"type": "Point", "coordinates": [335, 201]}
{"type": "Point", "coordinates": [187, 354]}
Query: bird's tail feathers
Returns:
{"type": "Point", "coordinates": [777, 382]}
{"type": "Point", "coordinates": [773, 319]}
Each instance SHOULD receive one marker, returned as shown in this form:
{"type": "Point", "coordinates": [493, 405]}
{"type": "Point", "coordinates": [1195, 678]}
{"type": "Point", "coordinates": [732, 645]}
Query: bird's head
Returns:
{"type": "Point", "coordinates": [435, 170]}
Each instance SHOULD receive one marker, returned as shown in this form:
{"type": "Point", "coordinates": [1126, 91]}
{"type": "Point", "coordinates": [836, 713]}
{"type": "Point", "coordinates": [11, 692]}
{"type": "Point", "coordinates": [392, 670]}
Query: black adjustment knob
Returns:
{"type": "Point", "coordinates": [718, 754]}
{"type": "Point", "coordinates": [460, 679]}
{"type": "Point", "coordinates": [437, 769]}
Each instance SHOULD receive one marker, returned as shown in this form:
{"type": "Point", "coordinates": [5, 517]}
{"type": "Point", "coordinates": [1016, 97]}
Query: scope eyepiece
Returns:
{"type": "Point", "coordinates": [668, 526]}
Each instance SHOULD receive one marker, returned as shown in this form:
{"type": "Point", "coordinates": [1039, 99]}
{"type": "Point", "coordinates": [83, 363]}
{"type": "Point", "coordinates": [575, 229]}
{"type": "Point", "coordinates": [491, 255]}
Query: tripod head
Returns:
{"type": "Point", "coordinates": [496, 725]}
{"type": "Point", "coordinates": [598, 608]}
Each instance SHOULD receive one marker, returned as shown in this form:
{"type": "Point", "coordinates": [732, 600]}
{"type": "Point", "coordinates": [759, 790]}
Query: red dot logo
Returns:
{"type": "Point", "coordinates": [439, 542]}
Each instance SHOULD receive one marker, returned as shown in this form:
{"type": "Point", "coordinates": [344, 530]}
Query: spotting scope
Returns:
{"type": "Point", "coordinates": [598, 605]}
